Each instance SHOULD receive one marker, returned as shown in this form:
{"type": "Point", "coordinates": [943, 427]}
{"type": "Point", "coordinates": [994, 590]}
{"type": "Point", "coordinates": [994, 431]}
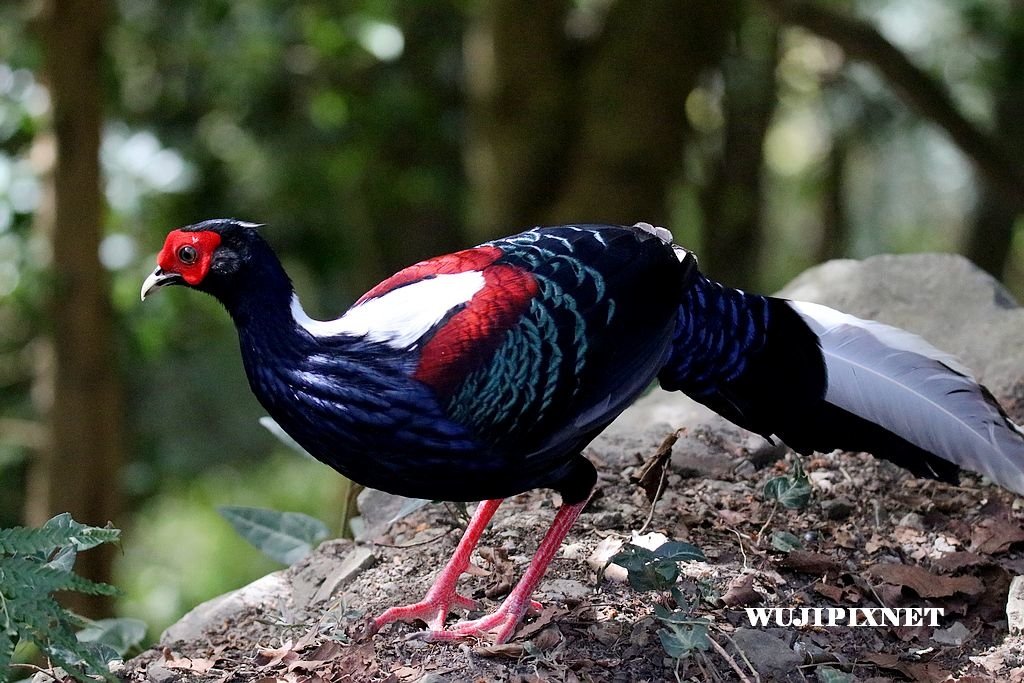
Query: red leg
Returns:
{"type": "Point", "coordinates": [502, 623]}
{"type": "Point", "coordinates": [441, 597]}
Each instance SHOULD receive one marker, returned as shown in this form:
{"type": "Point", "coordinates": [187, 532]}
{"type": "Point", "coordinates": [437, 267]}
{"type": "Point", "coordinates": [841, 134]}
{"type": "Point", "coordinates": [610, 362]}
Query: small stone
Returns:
{"type": "Point", "coordinates": [158, 674]}
{"type": "Point", "coordinates": [572, 551]}
{"type": "Point", "coordinates": [837, 509]}
{"type": "Point", "coordinates": [565, 590]}
{"type": "Point", "coordinates": [769, 654]}
{"type": "Point", "coordinates": [606, 520]}
{"type": "Point", "coordinates": [432, 678]}
{"type": "Point", "coordinates": [957, 634]}
{"type": "Point", "coordinates": [598, 559]}
{"type": "Point", "coordinates": [358, 559]}
{"type": "Point", "coordinates": [1015, 606]}
{"type": "Point", "coordinates": [912, 520]}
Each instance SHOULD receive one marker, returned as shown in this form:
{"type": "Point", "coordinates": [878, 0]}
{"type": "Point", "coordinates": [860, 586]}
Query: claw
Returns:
{"type": "Point", "coordinates": [432, 611]}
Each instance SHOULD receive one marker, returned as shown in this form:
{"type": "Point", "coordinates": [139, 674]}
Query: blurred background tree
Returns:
{"type": "Point", "coordinates": [768, 134]}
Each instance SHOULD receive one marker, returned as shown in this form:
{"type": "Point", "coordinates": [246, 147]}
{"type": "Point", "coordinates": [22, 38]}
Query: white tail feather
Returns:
{"type": "Point", "coordinates": [902, 383]}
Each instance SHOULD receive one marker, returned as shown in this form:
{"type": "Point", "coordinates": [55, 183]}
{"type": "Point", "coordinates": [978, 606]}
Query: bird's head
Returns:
{"type": "Point", "coordinates": [206, 256]}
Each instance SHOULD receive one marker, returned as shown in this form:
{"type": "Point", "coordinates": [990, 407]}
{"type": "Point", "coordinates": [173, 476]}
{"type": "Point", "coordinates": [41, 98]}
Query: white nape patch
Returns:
{"type": "Point", "coordinates": [822, 319]}
{"type": "Point", "coordinates": [400, 317]}
{"type": "Point", "coordinates": [661, 233]}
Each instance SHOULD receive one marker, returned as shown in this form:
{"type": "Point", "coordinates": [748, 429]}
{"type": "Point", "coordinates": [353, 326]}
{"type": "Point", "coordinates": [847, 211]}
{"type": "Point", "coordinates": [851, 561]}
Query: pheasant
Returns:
{"type": "Point", "coordinates": [484, 373]}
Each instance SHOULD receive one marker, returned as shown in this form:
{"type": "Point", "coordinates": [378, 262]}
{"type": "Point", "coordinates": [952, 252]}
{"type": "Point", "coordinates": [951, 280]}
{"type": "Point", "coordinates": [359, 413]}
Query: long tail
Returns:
{"type": "Point", "coordinates": [822, 380]}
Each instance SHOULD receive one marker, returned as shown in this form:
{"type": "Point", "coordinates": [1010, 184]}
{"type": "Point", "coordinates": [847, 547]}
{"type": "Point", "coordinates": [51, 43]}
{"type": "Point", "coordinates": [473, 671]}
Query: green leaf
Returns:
{"type": "Point", "coordinates": [284, 437]}
{"type": "Point", "coordinates": [827, 674]}
{"type": "Point", "coordinates": [681, 640]}
{"type": "Point", "coordinates": [34, 564]}
{"type": "Point", "coordinates": [82, 536]}
{"type": "Point", "coordinates": [677, 551]}
{"type": "Point", "coordinates": [792, 492]}
{"type": "Point", "coordinates": [283, 536]}
{"type": "Point", "coordinates": [785, 541]}
{"type": "Point", "coordinates": [121, 635]}
{"type": "Point", "coordinates": [649, 570]}
{"type": "Point", "coordinates": [632, 558]}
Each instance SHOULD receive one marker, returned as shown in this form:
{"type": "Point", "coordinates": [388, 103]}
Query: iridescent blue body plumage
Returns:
{"type": "Point", "coordinates": [484, 373]}
{"type": "Point", "coordinates": [592, 335]}
{"type": "Point", "coordinates": [718, 330]}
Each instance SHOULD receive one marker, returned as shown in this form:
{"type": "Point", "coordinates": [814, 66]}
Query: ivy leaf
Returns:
{"type": "Point", "coordinates": [677, 551]}
{"type": "Point", "coordinates": [829, 675]}
{"type": "Point", "coordinates": [792, 492]}
{"type": "Point", "coordinates": [785, 541]}
{"type": "Point", "coordinates": [283, 536]}
{"type": "Point", "coordinates": [681, 640]}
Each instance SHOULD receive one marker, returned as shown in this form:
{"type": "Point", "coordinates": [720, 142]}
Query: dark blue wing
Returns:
{"type": "Point", "coordinates": [593, 337]}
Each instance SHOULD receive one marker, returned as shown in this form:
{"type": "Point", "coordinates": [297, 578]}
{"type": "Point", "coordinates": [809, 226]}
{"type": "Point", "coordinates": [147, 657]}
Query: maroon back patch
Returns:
{"type": "Point", "coordinates": [470, 336]}
{"type": "Point", "coordinates": [476, 258]}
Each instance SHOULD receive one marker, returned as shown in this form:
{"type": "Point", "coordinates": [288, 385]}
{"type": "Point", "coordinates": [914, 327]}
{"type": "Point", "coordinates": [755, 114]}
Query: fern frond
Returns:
{"type": "Point", "coordinates": [34, 564]}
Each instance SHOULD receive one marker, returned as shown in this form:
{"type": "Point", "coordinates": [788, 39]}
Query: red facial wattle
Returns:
{"type": "Point", "coordinates": [189, 254]}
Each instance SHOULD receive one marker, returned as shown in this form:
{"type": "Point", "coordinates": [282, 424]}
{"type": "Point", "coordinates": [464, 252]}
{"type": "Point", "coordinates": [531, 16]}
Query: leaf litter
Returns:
{"type": "Point", "coordinates": [897, 541]}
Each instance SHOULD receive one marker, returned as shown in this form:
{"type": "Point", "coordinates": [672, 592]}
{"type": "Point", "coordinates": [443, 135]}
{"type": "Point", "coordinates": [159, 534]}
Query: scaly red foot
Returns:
{"type": "Point", "coordinates": [497, 627]}
{"type": "Point", "coordinates": [442, 596]}
{"type": "Point", "coordinates": [432, 610]}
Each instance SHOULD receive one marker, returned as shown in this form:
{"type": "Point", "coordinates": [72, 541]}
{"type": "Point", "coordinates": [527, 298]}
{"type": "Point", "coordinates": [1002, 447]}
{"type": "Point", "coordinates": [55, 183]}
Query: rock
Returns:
{"type": "Point", "coordinates": [295, 591]}
{"type": "Point", "coordinates": [158, 674]}
{"type": "Point", "coordinates": [912, 520]}
{"type": "Point", "coordinates": [836, 509]}
{"type": "Point", "coordinates": [433, 678]}
{"type": "Point", "coordinates": [1015, 606]}
{"type": "Point", "coordinates": [771, 655]}
{"type": "Point", "coordinates": [270, 590]}
{"type": "Point", "coordinates": [608, 519]}
{"type": "Point", "coordinates": [942, 297]}
{"type": "Point", "coordinates": [379, 510]}
{"type": "Point", "coordinates": [566, 590]}
{"type": "Point", "coordinates": [359, 559]}
{"type": "Point", "coordinates": [956, 635]}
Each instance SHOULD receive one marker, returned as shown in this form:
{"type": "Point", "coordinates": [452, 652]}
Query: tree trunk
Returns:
{"type": "Point", "coordinates": [630, 145]}
{"type": "Point", "coordinates": [835, 228]}
{"type": "Point", "coordinates": [80, 391]}
{"type": "Point", "coordinates": [990, 239]}
{"type": "Point", "coordinates": [590, 130]}
{"type": "Point", "coordinates": [732, 200]}
{"type": "Point", "coordinates": [521, 90]}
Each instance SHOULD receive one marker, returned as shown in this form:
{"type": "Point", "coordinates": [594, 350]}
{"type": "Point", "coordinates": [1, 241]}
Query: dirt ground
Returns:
{"type": "Point", "coordinates": [870, 536]}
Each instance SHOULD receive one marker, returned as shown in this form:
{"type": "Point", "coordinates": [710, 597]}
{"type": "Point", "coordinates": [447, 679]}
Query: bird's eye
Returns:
{"type": "Point", "coordinates": [188, 255]}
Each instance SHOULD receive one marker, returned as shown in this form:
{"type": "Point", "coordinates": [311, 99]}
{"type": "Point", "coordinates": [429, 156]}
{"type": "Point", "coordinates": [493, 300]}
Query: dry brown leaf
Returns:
{"type": "Point", "coordinates": [833, 593]}
{"type": "Point", "coordinates": [509, 650]}
{"type": "Point", "coordinates": [809, 562]}
{"type": "Point", "coordinates": [915, 671]}
{"type": "Point", "coordinates": [925, 583]}
{"type": "Point", "coordinates": [955, 561]}
{"type": "Point", "coordinates": [542, 620]}
{"type": "Point", "coordinates": [199, 665]}
{"type": "Point", "coordinates": [993, 536]}
{"type": "Point", "coordinates": [407, 672]}
{"type": "Point", "coordinates": [268, 657]}
{"type": "Point", "coordinates": [653, 471]}
{"type": "Point", "coordinates": [741, 592]}
{"type": "Point", "coordinates": [548, 638]}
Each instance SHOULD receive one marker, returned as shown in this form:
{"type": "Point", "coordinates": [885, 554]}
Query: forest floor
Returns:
{"type": "Point", "coordinates": [870, 536]}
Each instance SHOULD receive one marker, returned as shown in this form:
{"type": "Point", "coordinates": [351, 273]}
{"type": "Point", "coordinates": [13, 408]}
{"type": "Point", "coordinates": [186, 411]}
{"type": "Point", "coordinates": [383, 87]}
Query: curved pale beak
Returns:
{"type": "Point", "coordinates": [157, 279]}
